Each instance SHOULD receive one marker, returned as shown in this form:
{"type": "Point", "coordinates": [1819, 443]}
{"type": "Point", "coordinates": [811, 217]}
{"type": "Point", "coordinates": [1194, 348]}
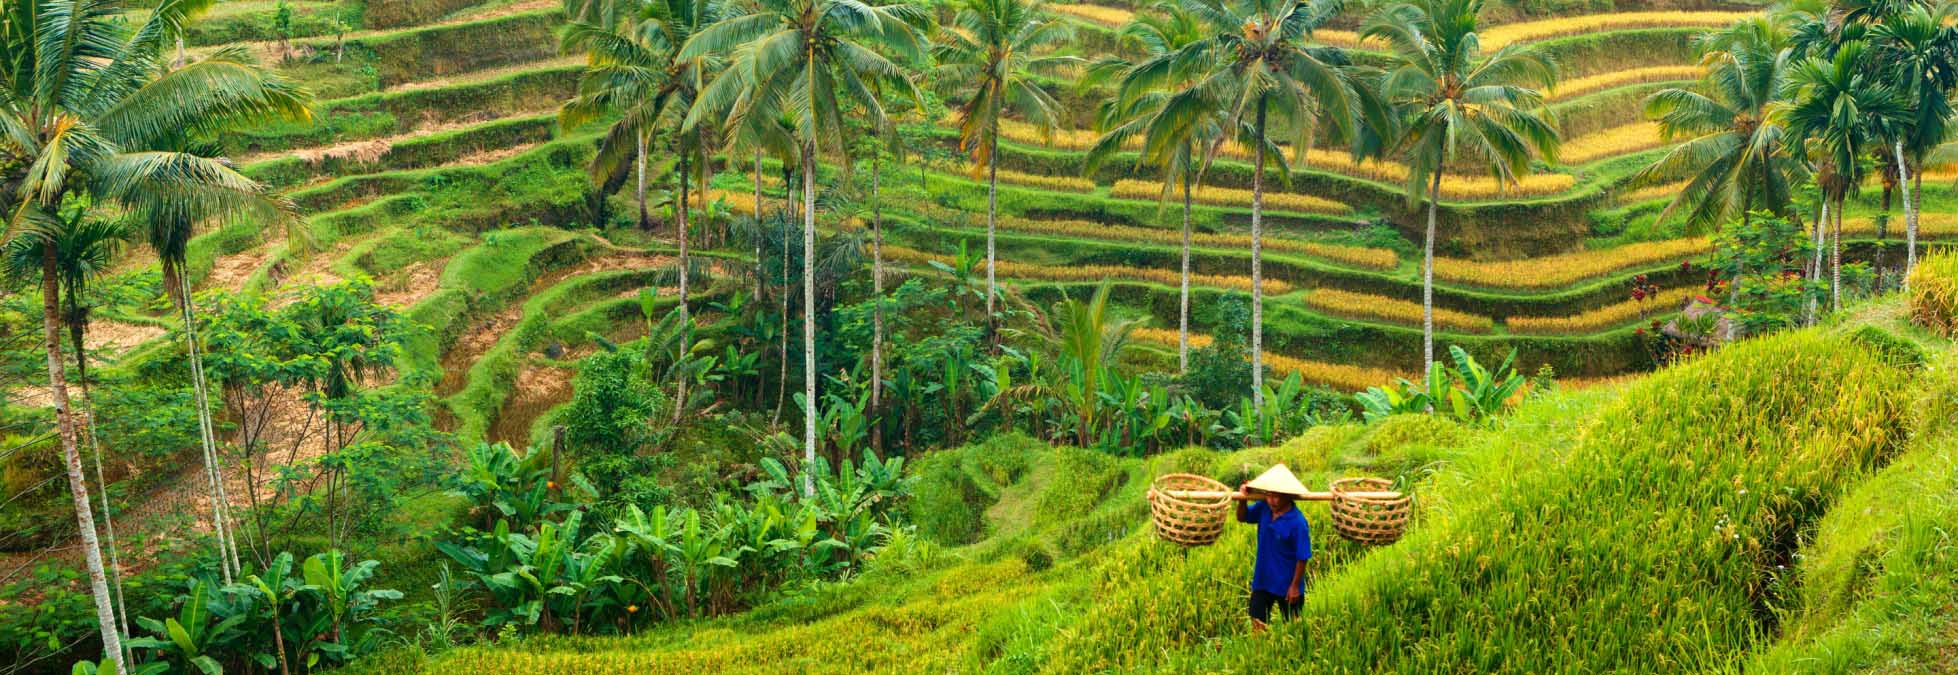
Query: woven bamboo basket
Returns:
{"type": "Point", "coordinates": [1190, 521]}
{"type": "Point", "coordinates": [1369, 518]}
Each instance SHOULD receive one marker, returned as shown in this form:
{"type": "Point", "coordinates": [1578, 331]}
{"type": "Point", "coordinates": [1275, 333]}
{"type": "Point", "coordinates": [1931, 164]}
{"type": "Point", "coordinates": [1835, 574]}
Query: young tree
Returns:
{"type": "Point", "coordinates": [993, 55]}
{"type": "Point", "coordinates": [94, 118]}
{"type": "Point", "coordinates": [1444, 99]}
{"type": "Point", "coordinates": [802, 59]}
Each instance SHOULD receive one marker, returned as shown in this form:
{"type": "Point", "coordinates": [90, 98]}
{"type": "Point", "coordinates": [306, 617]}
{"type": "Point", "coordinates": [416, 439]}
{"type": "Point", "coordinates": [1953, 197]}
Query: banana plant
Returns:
{"type": "Point", "coordinates": [339, 586]}
{"type": "Point", "coordinates": [189, 637]}
{"type": "Point", "coordinates": [697, 555]}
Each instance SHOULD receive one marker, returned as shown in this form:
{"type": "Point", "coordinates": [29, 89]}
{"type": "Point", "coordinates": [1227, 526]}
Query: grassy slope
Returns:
{"type": "Point", "coordinates": [1775, 507]}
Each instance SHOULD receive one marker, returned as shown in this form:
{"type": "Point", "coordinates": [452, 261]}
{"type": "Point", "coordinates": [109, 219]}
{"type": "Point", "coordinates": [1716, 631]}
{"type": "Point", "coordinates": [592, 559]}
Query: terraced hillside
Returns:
{"type": "Point", "coordinates": [444, 122]}
{"type": "Point", "coordinates": [1039, 559]}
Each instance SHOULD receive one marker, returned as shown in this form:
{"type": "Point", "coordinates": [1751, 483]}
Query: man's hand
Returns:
{"type": "Point", "coordinates": [1244, 490]}
{"type": "Point", "coordinates": [1292, 594]}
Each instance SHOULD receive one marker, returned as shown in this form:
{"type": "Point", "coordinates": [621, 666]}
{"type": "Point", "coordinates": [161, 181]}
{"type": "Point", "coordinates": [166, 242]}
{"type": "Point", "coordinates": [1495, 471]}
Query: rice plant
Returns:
{"type": "Point", "coordinates": [1619, 140]}
{"type": "Point", "coordinates": [1575, 87]}
{"type": "Point", "coordinates": [1603, 318]}
{"type": "Point", "coordinates": [1219, 196]}
{"type": "Point", "coordinates": [1088, 273]}
{"type": "Point", "coordinates": [1565, 269]}
{"type": "Point", "coordinates": [1373, 307]}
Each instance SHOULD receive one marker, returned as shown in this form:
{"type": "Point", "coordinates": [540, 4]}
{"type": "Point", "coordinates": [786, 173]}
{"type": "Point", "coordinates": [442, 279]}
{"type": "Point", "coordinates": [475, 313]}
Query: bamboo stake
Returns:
{"type": "Point", "coordinates": [1308, 497]}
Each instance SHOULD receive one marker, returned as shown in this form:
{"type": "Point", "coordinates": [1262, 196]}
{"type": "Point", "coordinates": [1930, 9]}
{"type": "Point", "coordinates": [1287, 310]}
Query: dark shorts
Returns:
{"type": "Point", "coordinates": [1261, 603]}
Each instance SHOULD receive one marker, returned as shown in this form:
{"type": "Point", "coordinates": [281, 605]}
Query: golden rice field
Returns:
{"type": "Point", "coordinates": [741, 203]}
{"type": "Point", "coordinates": [1562, 270]}
{"type": "Point", "coordinates": [1034, 180]}
{"type": "Point", "coordinates": [1358, 256]}
{"type": "Point", "coordinates": [1619, 140]}
{"type": "Point", "coordinates": [1928, 225]}
{"type": "Point", "coordinates": [1576, 87]}
{"type": "Point", "coordinates": [1363, 306]}
{"type": "Point", "coordinates": [1093, 273]}
{"type": "Point", "coordinates": [1112, 17]}
{"type": "Point", "coordinates": [1602, 318]}
{"type": "Point", "coordinates": [1505, 35]}
{"type": "Point", "coordinates": [1219, 196]}
{"type": "Point", "coordinates": [1391, 173]}
{"type": "Point", "coordinates": [1666, 191]}
{"type": "Point", "coordinates": [1339, 376]}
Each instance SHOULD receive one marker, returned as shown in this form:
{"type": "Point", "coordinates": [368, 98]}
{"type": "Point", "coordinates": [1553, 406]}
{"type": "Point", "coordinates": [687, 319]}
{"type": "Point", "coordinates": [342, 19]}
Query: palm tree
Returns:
{"type": "Point", "coordinates": [1143, 91]}
{"type": "Point", "coordinates": [1921, 50]}
{"type": "Point", "coordinates": [92, 117]}
{"type": "Point", "coordinates": [1258, 70]}
{"type": "Point", "coordinates": [84, 248]}
{"type": "Point", "coordinates": [634, 69]}
{"type": "Point", "coordinates": [994, 53]}
{"type": "Point", "coordinates": [1733, 148]}
{"type": "Point", "coordinates": [803, 59]}
{"type": "Point", "coordinates": [1447, 99]}
{"type": "Point", "coordinates": [1840, 107]}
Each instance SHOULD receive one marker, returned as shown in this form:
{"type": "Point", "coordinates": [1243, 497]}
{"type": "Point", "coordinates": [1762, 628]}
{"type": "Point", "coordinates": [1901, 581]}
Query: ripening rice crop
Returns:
{"type": "Point", "coordinates": [742, 203]}
{"type": "Point", "coordinates": [1454, 186]}
{"type": "Point", "coordinates": [1619, 140]}
{"type": "Point", "coordinates": [1574, 88]}
{"type": "Point", "coordinates": [1339, 376]}
{"type": "Point", "coordinates": [1106, 16]}
{"type": "Point", "coordinates": [1562, 270]}
{"type": "Point", "coordinates": [1602, 318]}
{"type": "Point", "coordinates": [1373, 307]}
{"type": "Point", "coordinates": [1055, 183]}
{"type": "Point", "coordinates": [1220, 196]}
{"type": "Point", "coordinates": [1934, 293]}
{"type": "Point", "coordinates": [1359, 256]}
{"type": "Point", "coordinates": [1929, 224]}
{"type": "Point", "coordinates": [1666, 191]}
{"type": "Point", "coordinates": [1501, 36]}
{"type": "Point", "coordinates": [1091, 273]}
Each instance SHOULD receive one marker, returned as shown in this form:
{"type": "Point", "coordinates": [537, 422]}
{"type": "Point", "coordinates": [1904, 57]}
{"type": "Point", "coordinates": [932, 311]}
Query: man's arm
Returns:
{"type": "Point", "coordinates": [1244, 504]}
{"type": "Point", "coordinates": [1292, 592]}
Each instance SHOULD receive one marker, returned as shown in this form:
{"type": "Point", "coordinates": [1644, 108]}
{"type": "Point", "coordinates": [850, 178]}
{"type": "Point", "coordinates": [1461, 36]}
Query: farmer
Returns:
{"type": "Point", "coordinates": [1284, 543]}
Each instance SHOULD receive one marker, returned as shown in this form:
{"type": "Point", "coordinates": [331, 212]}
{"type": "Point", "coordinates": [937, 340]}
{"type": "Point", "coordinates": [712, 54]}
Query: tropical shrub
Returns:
{"type": "Point", "coordinates": [1934, 293]}
{"type": "Point", "coordinates": [326, 614]}
{"type": "Point", "coordinates": [1756, 272]}
{"type": "Point", "coordinates": [1466, 391]}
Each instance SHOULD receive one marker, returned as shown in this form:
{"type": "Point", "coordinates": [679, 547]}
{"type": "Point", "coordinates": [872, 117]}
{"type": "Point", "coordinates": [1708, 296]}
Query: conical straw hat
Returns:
{"type": "Point", "coordinates": [1279, 480]}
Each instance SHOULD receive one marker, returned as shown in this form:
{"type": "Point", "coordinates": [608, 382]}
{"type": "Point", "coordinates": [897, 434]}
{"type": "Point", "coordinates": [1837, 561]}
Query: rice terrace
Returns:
{"type": "Point", "coordinates": [961, 336]}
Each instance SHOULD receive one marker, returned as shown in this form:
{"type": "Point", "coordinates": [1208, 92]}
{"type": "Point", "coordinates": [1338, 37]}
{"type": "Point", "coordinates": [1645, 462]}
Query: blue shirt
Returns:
{"type": "Point", "coordinates": [1282, 543]}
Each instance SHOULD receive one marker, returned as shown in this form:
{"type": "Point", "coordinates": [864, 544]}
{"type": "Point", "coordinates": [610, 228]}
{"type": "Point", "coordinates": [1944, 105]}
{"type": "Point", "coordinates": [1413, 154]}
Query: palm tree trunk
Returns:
{"type": "Point", "coordinates": [1835, 258]}
{"type": "Point", "coordinates": [1257, 268]}
{"type": "Point", "coordinates": [782, 381]}
{"type": "Point", "coordinates": [808, 315]}
{"type": "Point", "coordinates": [686, 322]}
{"type": "Point", "coordinates": [1904, 179]}
{"type": "Point", "coordinates": [1428, 278]}
{"type": "Point", "coordinates": [105, 615]}
{"type": "Point", "coordinates": [1815, 268]}
{"type": "Point", "coordinates": [1183, 299]}
{"type": "Point", "coordinates": [77, 335]}
{"type": "Point", "coordinates": [220, 506]}
{"type": "Point", "coordinates": [758, 210]}
{"type": "Point", "coordinates": [992, 223]}
{"type": "Point", "coordinates": [877, 295]}
{"type": "Point", "coordinates": [645, 223]}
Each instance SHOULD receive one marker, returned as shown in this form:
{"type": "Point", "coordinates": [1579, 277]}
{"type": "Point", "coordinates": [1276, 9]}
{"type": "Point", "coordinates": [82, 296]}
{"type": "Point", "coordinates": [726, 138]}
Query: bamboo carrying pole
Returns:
{"type": "Point", "coordinates": [1308, 497]}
